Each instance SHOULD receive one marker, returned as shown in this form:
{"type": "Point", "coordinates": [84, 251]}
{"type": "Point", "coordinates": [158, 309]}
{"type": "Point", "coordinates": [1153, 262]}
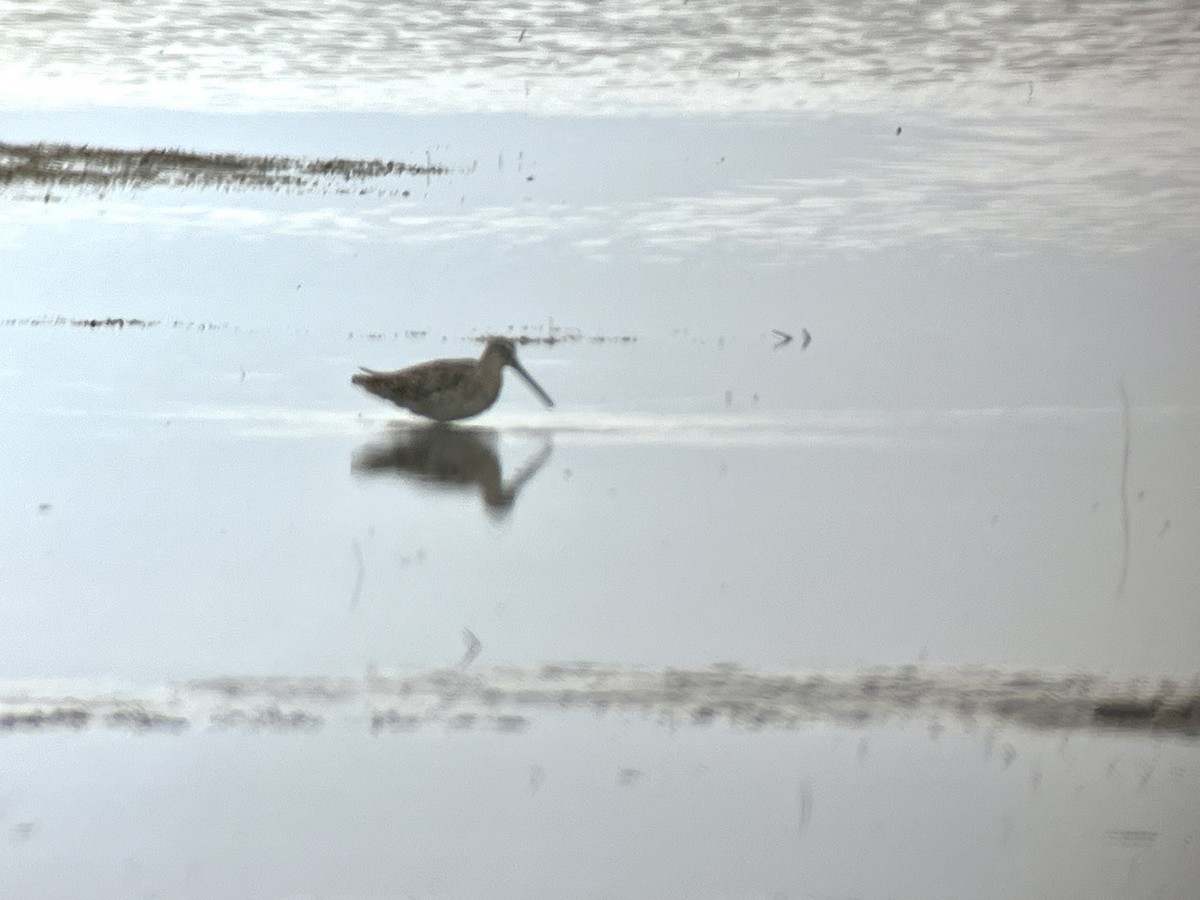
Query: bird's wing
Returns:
{"type": "Point", "coordinates": [434, 379]}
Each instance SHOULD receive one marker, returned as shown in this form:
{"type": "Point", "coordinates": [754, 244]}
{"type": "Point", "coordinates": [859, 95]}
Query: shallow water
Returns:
{"type": "Point", "coordinates": [280, 521]}
{"type": "Point", "coordinates": [914, 587]}
{"type": "Point", "coordinates": [651, 813]}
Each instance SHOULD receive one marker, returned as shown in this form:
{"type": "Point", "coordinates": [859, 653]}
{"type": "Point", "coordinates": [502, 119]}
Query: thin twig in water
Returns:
{"type": "Point", "coordinates": [1124, 491]}
{"type": "Point", "coordinates": [358, 578]}
{"type": "Point", "coordinates": [804, 801]}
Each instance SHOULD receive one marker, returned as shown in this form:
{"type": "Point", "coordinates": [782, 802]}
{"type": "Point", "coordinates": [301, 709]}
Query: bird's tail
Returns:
{"type": "Point", "coordinates": [365, 376]}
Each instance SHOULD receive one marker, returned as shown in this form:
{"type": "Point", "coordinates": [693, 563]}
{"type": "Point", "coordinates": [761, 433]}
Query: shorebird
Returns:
{"type": "Point", "coordinates": [448, 389]}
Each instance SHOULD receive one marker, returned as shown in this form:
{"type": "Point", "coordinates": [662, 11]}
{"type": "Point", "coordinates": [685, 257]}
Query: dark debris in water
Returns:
{"type": "Point", "coordinates": [42, 719]}
{"type": "Point", "coordinates": [1152, 712]}
{"type": "Point", "coordinates": [120, 323]}
{"type": "Point", "coordinates": [58, 167]}
{"type": "Point", "coordinates": [555, 335]}
{"type": "Point", "coordinates": [140, 719]}
{"type": "Point", "coordinates": [411, 334]}
{"type": "Point", "coordinates": [105, 322]}
{"type": "Point", "coordinates": [270, 718]}
{"type": "Point", "coordinates": [551, 339]}
{"type": "Point", "coordinates": [392, 720]}
{"type": "Point", "coordinates": [117, 323]}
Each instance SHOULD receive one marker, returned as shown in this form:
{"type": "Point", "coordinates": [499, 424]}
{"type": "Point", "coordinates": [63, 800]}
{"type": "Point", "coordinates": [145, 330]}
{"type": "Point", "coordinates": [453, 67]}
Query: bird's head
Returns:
{"type": "Point", "coordinates": [504, 352]}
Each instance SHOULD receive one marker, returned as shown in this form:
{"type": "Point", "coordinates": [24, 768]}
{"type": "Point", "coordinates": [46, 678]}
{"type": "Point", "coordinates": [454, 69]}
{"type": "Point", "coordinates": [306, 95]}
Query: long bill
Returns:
{"type": "Point", "coordinates": [537, 388]}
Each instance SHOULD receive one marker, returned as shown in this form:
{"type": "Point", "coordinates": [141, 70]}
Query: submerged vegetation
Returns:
{"type": "Point", "coordinates": [54, 166]}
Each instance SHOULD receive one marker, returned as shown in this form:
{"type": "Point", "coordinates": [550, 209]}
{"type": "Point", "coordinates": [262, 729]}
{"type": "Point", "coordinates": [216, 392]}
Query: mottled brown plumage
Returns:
{"type": "Point", "coordinates": [448, 389]}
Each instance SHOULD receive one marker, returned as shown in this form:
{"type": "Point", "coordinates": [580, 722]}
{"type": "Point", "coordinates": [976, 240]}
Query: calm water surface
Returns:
{"type": "Point", "coordinates": [921, 592]}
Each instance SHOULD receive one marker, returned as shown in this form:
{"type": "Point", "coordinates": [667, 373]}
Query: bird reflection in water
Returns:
{"type": "Point", "coordinates": [449, 457]}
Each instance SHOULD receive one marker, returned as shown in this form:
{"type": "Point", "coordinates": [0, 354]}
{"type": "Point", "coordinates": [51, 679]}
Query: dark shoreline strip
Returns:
{"type": "Point", "coordinates": [512, 699]}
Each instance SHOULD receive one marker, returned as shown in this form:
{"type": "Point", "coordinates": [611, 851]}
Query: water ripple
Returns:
{"type": "Point", "coordinates": [585, 57]}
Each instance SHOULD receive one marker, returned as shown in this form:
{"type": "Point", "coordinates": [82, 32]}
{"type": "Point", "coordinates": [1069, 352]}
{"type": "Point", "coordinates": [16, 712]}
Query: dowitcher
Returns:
{"type": "Point", "coordinates": [448, 389]}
